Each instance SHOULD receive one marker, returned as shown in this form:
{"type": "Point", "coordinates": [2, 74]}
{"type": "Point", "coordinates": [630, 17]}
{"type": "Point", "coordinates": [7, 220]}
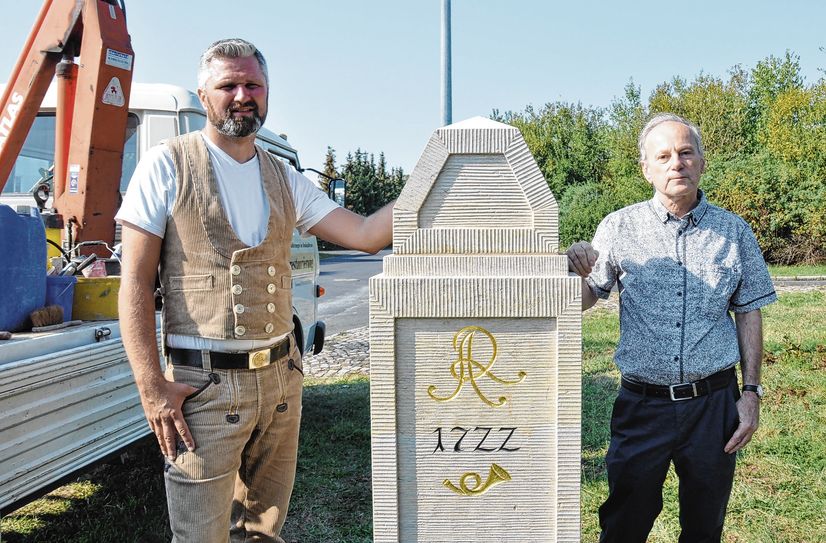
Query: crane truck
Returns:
{"type": "Point", "coordinates": [67, 397]}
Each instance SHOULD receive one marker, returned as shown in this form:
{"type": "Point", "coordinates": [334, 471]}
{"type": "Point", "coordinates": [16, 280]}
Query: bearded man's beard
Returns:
{"type": "Point", "coordinates": [236, 127]}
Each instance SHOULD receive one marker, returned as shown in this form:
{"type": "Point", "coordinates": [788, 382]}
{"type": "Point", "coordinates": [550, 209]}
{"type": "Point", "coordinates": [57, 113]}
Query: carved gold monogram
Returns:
{"type": "Point", "coordinates": [467, 370]}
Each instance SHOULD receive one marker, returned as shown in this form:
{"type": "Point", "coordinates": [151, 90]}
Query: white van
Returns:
{"type": "Point", "coordinates": [68, 398]}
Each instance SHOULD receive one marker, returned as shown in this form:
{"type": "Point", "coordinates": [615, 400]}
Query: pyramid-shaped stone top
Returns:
{"type": "Point", "coordinates": [476, 190]}
{"type": "Point", "coordinates": [478, 122]}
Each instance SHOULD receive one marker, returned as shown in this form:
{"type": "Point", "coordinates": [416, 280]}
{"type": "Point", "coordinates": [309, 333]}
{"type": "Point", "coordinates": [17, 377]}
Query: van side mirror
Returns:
{"type": "Point", "coordinates": [335, 186]}
{"type": "Point", "coordinates": [335, 190]}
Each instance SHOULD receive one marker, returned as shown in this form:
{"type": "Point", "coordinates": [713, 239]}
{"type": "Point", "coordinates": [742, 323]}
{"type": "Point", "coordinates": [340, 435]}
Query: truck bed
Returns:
{"type": "Point", "coordinates": [67, 399]}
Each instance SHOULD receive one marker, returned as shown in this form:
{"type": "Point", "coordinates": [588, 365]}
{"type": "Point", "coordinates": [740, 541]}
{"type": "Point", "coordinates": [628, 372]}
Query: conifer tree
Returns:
{"type": "Point", "coordinates": [329, 169]}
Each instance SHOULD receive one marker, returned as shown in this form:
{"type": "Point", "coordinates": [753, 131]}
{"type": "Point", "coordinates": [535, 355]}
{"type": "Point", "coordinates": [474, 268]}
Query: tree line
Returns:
{"type": "Point", "coordinates": [370, 183]}
{"type": "Point", "coordinates": [764, 134]}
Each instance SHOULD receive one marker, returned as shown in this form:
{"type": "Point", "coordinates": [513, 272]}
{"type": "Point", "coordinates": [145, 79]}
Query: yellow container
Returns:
{"type": "Point", "coordinates": [54, 235]}
{"type": "Point", "coordinates": [96, 298]}
{"type": "Point", "coordinates": [54, 230]}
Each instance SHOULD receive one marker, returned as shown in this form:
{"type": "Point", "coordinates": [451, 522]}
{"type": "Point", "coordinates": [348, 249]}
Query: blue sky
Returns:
{"type": "Point", "coordinates": [365, 73]}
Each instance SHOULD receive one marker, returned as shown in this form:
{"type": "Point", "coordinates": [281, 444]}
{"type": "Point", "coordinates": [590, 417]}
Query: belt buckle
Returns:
{"type": "Point", "coordinates": [258, 359]}
{"type": "Point", "coordinates": [693, 391]}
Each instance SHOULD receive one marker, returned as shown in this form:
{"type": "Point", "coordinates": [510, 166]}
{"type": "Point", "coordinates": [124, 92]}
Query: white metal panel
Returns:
{"type": "Point", "coordinates": [63, 408]}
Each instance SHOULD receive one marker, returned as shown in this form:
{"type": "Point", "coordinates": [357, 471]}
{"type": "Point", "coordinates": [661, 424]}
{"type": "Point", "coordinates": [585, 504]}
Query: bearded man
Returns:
{"type": "Point", "coordinates": [216, 214]}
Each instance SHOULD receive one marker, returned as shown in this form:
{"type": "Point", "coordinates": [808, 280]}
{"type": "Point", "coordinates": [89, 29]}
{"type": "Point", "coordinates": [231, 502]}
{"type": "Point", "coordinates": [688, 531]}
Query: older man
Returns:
{"type": "Point", "coordinates": [217, 214]}
{"type": "Point", "coordinates": [681, 265]}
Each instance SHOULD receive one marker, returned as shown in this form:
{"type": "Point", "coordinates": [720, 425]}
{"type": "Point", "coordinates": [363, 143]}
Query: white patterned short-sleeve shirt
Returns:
{"type": "Point", "coordinates": [678, 280]}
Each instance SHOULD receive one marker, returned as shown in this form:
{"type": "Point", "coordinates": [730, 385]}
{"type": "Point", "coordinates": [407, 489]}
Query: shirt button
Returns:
{"type": "Point", "coordinates": [271, 271]}
{"type": "Point", "coordinates": [271, 288]}
{"type": "Point", "coordinates": [678, 325]}
{"type": "Point", "coordinates": [679, 294]}
{"type": "Point", "coordinates": [679, 262]}
{"type": "Point", "coordinates": [269, 328]}
{"type": "Point", "coordinates": [239, 308]}
{"type": "Point", "coordinates": [676, 359]}
{"type": "Point", "coordinates": [240, 330]}
{"type": "Point", "coordinates": [271, 307]}
{"type": "Point", "coordinates": [237, 289]}
{"type": "Point", "coordinates": [235, 269]}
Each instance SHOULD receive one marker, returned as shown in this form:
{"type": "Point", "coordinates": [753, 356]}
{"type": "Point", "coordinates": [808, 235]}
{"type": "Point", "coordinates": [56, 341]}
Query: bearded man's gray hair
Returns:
{"type": "Point", "coordinates": [660, 118]}
{"type": "Point", "coordinates": [229, 48]}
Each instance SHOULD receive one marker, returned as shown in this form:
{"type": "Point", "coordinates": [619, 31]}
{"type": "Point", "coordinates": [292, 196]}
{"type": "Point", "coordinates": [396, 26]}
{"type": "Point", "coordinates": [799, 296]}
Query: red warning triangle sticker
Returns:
{"type": "Point", "coordinates": [113, 95]}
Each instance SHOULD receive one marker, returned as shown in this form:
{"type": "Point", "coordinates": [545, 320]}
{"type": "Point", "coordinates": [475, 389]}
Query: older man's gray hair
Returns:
{"type": "Point", "coordinates": [229, 48]}
{"type": "Point", "coordinates": [660, 118]}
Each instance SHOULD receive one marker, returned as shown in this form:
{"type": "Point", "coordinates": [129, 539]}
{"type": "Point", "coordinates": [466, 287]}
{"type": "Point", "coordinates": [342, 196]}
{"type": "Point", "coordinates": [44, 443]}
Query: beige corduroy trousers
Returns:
{"type": "Point", "coordinates": [236, 485]}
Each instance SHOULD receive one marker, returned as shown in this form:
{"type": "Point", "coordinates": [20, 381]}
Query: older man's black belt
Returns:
{"type": "Point", "coordinates": [230, 361]}
{"type": "Point", "coordinates": [682, 391]}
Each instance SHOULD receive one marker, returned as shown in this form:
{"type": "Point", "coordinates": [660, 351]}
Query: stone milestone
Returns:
{"type": "Point", "coordinates": [475, 352]}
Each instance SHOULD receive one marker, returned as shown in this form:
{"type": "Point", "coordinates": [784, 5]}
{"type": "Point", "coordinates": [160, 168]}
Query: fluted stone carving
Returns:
{"type": "Point", "coordinates": [475, 351]}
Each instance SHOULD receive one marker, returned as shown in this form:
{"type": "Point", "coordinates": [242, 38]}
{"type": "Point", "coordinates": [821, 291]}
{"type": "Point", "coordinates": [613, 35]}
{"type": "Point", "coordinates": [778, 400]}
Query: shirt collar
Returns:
{"type": "Point", "coordinates": [695, 215]}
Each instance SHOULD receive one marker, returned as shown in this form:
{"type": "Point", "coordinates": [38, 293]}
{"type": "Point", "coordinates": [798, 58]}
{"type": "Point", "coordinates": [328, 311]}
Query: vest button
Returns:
{"type": "Point", "coordinates": [269, 328]}
{"type": "Point", "coordinates": [239, 308]}
{"type": "Point", "coordinates": [235, 269]}
{"type": "Point", "coordinates": [237, 289]}
{"type": "Point", "coordinates": [271, 271]}
{"type": "Point", "coordinates": [271, 288]}
{"type": "Point", "coordinates": [271, 307]}
{"type": "Point", "coordinates": [240, 330]}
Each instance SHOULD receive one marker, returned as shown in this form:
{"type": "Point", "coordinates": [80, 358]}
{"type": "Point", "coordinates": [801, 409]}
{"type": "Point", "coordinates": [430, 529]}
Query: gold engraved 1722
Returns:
{"type": "Point", "coordinates": [467, 370]}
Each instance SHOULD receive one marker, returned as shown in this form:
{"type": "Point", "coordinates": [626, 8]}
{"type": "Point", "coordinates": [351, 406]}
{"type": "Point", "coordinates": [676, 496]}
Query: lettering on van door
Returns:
{"type": "Point", "coordinates": [304, 264]}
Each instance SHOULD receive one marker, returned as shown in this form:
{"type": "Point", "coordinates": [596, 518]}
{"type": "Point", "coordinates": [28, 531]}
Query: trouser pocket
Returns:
{"type": "Point", "coordinates": [205, 382]}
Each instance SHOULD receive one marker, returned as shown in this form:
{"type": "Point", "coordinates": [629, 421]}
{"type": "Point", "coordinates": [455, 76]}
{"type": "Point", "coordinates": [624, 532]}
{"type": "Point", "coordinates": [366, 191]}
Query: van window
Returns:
{"type": "Point", "coordinates": [130, 151]}
{"type": "Point", "coordinates": [159, 127]}
{"type": "Point", "coordinates": [38, 154]}
{"type": "Point", "coordinates": [192, 121]}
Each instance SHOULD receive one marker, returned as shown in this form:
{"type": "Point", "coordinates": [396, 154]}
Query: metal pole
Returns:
{"type": "Point", "coordinates": [447, 100]}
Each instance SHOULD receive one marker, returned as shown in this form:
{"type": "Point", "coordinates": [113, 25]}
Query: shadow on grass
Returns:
{"type": "Point", "coordinates": [332, 497]}
{"type": "Point", "coordinates": [598, 393]}
{"type": "Point", "coordinates": [115, 501]}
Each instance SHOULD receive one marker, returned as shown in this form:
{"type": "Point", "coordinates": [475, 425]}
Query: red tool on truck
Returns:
{"type": "Point", "coordinates": [93, 98]}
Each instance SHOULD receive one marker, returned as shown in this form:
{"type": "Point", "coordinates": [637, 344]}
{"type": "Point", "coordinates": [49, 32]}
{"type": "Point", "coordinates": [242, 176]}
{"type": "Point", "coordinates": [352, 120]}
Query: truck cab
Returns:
{"type": "Point", "coordinates": [68, 397]}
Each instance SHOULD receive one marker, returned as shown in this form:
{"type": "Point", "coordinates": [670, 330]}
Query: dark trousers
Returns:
{"type": "Point", "coordinates": [647, 434]}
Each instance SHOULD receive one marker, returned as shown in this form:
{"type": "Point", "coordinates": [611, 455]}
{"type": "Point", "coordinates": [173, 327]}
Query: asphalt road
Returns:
{"type": "Point", "coordinates": [344, 276]}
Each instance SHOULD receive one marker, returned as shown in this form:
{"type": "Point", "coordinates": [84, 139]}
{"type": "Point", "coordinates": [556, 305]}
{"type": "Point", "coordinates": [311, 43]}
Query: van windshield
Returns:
{"type": "Point", "coordinates": [37, 155]}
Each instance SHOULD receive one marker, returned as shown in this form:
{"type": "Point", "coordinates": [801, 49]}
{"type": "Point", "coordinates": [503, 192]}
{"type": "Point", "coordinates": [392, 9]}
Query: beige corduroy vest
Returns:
{"type": "Point", "coordinates": [214, 286]}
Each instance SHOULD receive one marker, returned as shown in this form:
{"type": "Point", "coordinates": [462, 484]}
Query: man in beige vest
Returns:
{"type": "Point", "coordinates": [217, 214]}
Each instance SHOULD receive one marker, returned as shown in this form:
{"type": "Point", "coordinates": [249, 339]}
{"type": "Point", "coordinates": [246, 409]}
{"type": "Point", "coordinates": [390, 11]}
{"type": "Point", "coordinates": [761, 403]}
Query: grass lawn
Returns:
{"type": "Point", "coordinates": [791, 271]}
{"type": "Point", "coordinates": [779, 493]}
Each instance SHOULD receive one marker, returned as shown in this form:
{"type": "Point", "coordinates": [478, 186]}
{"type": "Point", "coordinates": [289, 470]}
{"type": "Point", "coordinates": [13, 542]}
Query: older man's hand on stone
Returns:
{"type": "Point", "coordinates": [581, 258]}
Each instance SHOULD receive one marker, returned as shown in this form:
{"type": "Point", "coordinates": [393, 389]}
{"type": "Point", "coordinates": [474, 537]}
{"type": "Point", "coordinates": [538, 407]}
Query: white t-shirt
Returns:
{"type": "Point", "coordinates": [150, 198]}
{"type": "Point", "coordinates": [151, 194]}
